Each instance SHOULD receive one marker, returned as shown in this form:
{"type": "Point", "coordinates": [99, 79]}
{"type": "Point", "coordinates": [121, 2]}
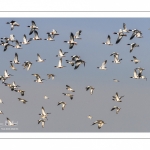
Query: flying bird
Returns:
{"type": "Point", "coordinates": [69, 88]}
{"type": "Point", "coordinates": [77, 35]}
{"type": "Point", "coordinates": [99, 122]}
{"type": "Point", "coordinates": [33, 27]}
{"type": "Point", "coordinates": [12, 24]}
{"type": "Point", "coordinates": [39, 58]}
{"type": "Point", "coordinates": [60, 64]}
{"type": "Point", "coordinates": [69, 95]}
{"type": "Point", "coordinates": [103, 65]}
{"type": "Point", "coordinates": [117, 98]}
{"type": "Point", "coordinates": [135, 60]}
{"type": "Point", "coordinates": [91, 89]}
{"type": "Point", "coordinates": [108, 42]}
{"type": "Point", "coordinates": [63, 104]}
{"type": "Point", "coordinates": [117, 109]}
{"type": "Point", "coordinates": [51, 76]}
{"type": "Point", "coordinates": [61, 53]}
{"type": "Point", "coordinates": [133, 45]}
{"type": "Point", "coordinates": [22, 100]}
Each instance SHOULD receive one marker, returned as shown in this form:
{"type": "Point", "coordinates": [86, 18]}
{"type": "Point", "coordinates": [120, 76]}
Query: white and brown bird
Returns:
{"type": "Point", "coordinates": [69, 95]}
{"type": "Point", "coordinates": [117, 98]}
{"type": "Point", "coordinates": [125, 30]}
{"type": "Point", "coordinates": [15, 61]}
{"type": "Point", "coordinates": [12, 66]}
{"type": "Point", "coordinates": [108, 42]}
{"type": "Point", "coordinates": [115, 80]}
{"type": "Point", "coordinates": [42, 121]}
{"type": "Point", "coordinates": [53, 33]}
{"type": "Point", "coordinates": [99, 122]}
{"type": "Point", "coordinates": [27, 65]}
{"type": "Point", "coordinates": [6, 45]}
{"type": "Point", "coordinates": [69, 88]}
{"type": "Point", "coordinates": [46, 97]}
{"type": "Point", "coordinates": [63, 104]}
{"type": "Point", "coordinates": [103, 66]}
{"type": "Point", "coordinates": [33, 27]}
{"type": "Point", "coordinates": [70, 62]}
{"type": "Point", "coordinates": [135, 60]}
{"type": "Point", "coordinates": [39, 58]}
{"type": "Point", "coordinates": [18, 46]}
{"type": "Point", "coordinates": [117, 109]}
{"type": "Point", "coordinates": [44, 115]}
{"type": "Point", "coordinates": [10, 123]}
{"type": "Point", "coordinates": [25, 41]}
{"type": "Point", "coordinates": [51, 76]}
{"type": "Point", "coordinates": [12, 24]}
{"type": "Point", "coordinates": [1, 102]}
{"type": "Point", "coordinates": [50, 37]}
{"type": "Point", "coordinates": [60, 64]}
{"type": "Point", "coordinates": [133, 45]}
{"type": "Point", "coordinates": [77, 35]}
{"type": "Point", "coordinates": [20, 91]}
{"type": "Point", "coordinates": [90, 88]}
{"type": "Point", "coordinates": [22, 100]}
{"type": "Point", "coordinates": [89, 116]}
{"type": "Point", "coordinates": [36, 36]}
{"type": "Point", "coordinates": [120, 35]}
{"type": "Point", "coordinates": [71, 42]}
{"type": "Point", "coordinates": [78, 63]}
{"type": "Point", "coordinates": [1, 112]}
{"type": "Point", "coordinates": [61, 53]}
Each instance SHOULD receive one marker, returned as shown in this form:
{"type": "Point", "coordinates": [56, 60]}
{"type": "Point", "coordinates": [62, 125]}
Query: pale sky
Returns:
{"type": "Point", "coordinates": [134, 113]}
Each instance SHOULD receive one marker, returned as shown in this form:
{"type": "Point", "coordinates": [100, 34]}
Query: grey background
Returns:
{"type": "Point", "coordinates": [134, 114]}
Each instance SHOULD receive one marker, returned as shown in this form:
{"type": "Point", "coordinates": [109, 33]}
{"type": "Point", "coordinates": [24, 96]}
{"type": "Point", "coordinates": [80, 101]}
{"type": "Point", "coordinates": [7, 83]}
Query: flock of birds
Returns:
{"type": "Point", "coordinates": [75, 62]}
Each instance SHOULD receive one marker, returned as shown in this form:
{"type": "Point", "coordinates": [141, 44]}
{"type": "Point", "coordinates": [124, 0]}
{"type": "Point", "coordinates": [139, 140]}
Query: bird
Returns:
{"type": "Point", "coordinates": [116, 58]}
{"type": "Point", "coordinates": [42, 121]}
{"type": "Point", "coordinates": [133, 45]}
{"type": "Point", "coordinates": [51, 76]}
{"type": "Point", "coordinates": [77, 35]}
{"type": "Point", "coordinates": [135, 75]}
{"type": "Point", "coordinates": [11, 38]}
{"type": "Point", "coordinates": [71, 42]}
{"type": "Point", "coordinates": [10, 123]}
{"type": "Point", "coordinates": [103, 65]}
{"type": "Point", "coordinates": [22, 100]}
{"type": "Point", "coordinates": [16, 61]}
{"type": "Point", "coordinates": [140, 69]}
{"type": "Point", "coordinates": [6, 75]}
{"type": "Point", "coordinates": [117, 98]}
{"type": "Point", "coordinates": [136, 33]}
{"type": "Point", "coordinates": [78, 63]}
{"type": "Point", "coordinates": [61, 53]}
{"type": "Point", "coordinates": [108, 42]}
{"type": "Point", "coordinates": [39, 80]}
{"type": "Point", "coordinates": [117, 109]}
{"type": "Point", "coordinates": [70, 62]}
{"type": "Point", "coordinates": [13, 23]}
{"type": "Point", "coordinates": [69, 95]}
{"type": "Point", "coordinates": [33, 27]}
{"type": "Point", "coordinates": [115, 80]}
{"type": "Point", "coordinates": [20, 91]}
{"type": "Point", "coordinates": [44, 114]}
{"type": "Point", "coordinates": [125, 28]}
{"type": "Point", "coordinates": [1, 112]}
{"type": "Point", "coordinates": [75, 57]}
{"type": "Point", "coordinates": [53, 33]}
{"type": "Point", "coordinates": [60, 64]}
{"type": "Point", "coordinates": [17, 45]}
{"type": "Point", "coordinates": [14, 84]}
{"type": "Point", "coordinates": [91, 89]}
{"type": "Point", "coordinates": [99, 122]}
{"type": "Point", "coordinates": [27, 65]}
{"type": "Point", "coordinates": [89, 116]}
{"type": "Point", "coordinates": [45, 97]}
{"type": "Point", "coordinates": [6, 45]}
{"type": "Point", "coordinates": [36, 36]}
{"type": "Point", "coordinates": [135, 60]}
{"type": "Point", "coordinates": [63, 104]}
{"type": "Point", "coordinates": [1, 102]}
{"type": "Point", "coordinates": [40, 59]}
{"type": "Point", "coordinates": [50, 37]}
{"type": "Point", "coordinates": [120, 35]}
{"type": "Point", "coordinates": [69, 88]}
{"type": "Point", "coordinates": [12, 66]}
{"type": "Point", "coordinates": [25, 41]}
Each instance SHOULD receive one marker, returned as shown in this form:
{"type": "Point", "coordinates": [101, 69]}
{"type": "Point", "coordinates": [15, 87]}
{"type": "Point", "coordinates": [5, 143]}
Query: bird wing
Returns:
{"type": "Point", "coordinates": [24, 38]}
{"type": "Point", "coordinates": [36, 34]}
{"type": "Point", "coordinates": [119, 39]}
{"type": "Point", "coordinates": [33, 23]}
{"type": "Point", "coordinates": [60, 53]}
{"type": "Point", "coordinates": [71, 37]}
{"type": "Point", "coordinates": [60, 62]}
{"type": "Point", "coordinates": [108, 39]}
{"type": "Point", "coordinates": [43, 111]}
{"type": "Point", "coordinates": [39, 58]}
